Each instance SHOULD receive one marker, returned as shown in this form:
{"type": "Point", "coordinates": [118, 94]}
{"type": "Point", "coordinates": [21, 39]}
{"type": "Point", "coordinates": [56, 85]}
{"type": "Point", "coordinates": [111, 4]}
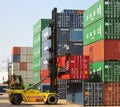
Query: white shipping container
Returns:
{"type": "Point", "coordinates": [29, 80]}
{"type": "Point", "coordinates": [23, 74]}
{"type": "Point", "coordinates": [15, 66]}
{"type": "Point", "coordinates": [29, 50]}
{"type": "Point", "coordinates": [29, 66]}
{"type": "Point", "coordinates": [23, 50]}
{"type": "Point", "coordinates": [22, 58]}
{"type": "Point", "coordinates": [29, 58]}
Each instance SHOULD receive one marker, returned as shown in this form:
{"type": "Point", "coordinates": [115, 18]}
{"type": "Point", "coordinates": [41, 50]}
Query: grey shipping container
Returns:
{"type": "Point", "coordinates": [73, 48]}
{"type": "Point", "coordinates": [93, 93]}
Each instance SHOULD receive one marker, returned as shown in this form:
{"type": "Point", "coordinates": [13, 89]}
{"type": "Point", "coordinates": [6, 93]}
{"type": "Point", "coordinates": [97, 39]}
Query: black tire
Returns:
{"type": "Point", "coordinates": [17, 99]}
{"type": "Point", "coordinates": [12, 102]}
{"type": "Point", "coordinates": [52, 99]}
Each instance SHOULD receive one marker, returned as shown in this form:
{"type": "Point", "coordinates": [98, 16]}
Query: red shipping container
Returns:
{"type": "Point", "coordinates": [16, 50]}
{"type": "Point", "coordinates": [61, 61]}
{"type": "Point", "coordinates": [111, 94]}
{"type": "Point", "coordinates": [43, 74]}
{"type": "Point", "coordinates": [103, 50]}
{"type": "Point", "coordinates": [23, 65]}
{"type": "Point", "coordinates": [78, 67]}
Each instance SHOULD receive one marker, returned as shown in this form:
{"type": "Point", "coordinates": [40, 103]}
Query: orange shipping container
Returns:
{"type": "Point", "coordinates": [16, 50]}
{"type": "Point", "coordinates": [23, 66]}
{"type": "Point", "coordinates": [103, 50]}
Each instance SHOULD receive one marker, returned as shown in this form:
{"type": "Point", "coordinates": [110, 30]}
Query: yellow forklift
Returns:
{"type": "Point", "coordinates": [16, 90]}
{"type": "Point", "coordinates": [17, 93]}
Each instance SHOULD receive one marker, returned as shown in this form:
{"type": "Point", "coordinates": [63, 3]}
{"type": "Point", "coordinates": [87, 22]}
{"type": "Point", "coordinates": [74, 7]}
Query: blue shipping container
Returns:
{"type": "Point", "coordinates": [76, 35]}
{"type": "Point", "coordinates": [45, 46]}
{"type": "Point", "coordinates": [16, 58]}
{"type": "Point", "coordinates": [63, 34]}
{"type": "Point", "coordinates": [46, 33]}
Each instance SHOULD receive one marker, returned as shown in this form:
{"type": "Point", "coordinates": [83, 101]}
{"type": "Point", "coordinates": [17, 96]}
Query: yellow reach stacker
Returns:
{"type": "Point", "coordinates": [17, 93]}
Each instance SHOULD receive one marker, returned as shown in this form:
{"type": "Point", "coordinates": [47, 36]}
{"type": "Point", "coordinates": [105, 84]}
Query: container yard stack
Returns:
{"type": "Point", "coordinates": [101, 42]}
{"type": "Point", "coordinates": [37, 49]}
{"type": "Point", "coordinates": [70, 42]}
{"type": "Point", "coordinates": [22, 63]}
{"type": "Point", "coordinates": [46, 44]}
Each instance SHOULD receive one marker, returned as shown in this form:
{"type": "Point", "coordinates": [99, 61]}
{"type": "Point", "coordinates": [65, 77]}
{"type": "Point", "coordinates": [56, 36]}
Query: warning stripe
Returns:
{"type": "Point", "coordinates": [36, 97]}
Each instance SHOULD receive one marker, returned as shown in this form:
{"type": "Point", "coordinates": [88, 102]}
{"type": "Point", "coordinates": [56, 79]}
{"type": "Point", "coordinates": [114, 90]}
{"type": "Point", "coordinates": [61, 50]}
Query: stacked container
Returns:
{"type": "Point", "coordinates": [22, 63]}
{"type": "Point", "coordinates": [37, 49]}
{"type": "Point", "coordinates": [101, 43]}
{"type": "Point", "coordinates": [46, 44]}
{"type": "Point", "coordinates": [69, 41]}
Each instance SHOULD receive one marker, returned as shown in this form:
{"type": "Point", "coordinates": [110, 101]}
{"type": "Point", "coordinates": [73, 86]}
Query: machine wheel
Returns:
{"type": "Point", "coordinates": [17, 99]}
{"type": "Point", "coordinates": [52, 99]}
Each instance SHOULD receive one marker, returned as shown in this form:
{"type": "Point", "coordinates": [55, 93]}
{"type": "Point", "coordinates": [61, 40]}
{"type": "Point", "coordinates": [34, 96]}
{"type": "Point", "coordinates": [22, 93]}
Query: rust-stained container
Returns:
{"type": "Point", "coordinates": [78, 67]}
{"type": "Point", "coordinates": [111, 94]}
{"type": "Point", "coordinates": [103, 50]}
{"type": "Point", "coordinates": [43, 74]}
{"type": "Point", "coordinates": [16, 50]}
{"type": "Point", "coordinates": [23, 66]}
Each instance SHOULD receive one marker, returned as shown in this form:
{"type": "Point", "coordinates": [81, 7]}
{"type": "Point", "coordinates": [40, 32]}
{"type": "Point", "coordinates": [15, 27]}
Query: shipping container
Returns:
{"type": "Point", "coordinates": [36, 53]}
{"type": "Point", "coordinates": [46, 32]}
{"type": "Point", "coordinates": [78, 67]}
{"type": "Point", "coordinates": [45, 46]}
{"type": "Point", "coordinates": [43, 74]}
{"type": "Point", "coordinates": [62, 88]}
{"type": "Point", "coordinates": [23, 66]}
{"type": "Point", "coordinates": [23, 57]}
{"type": "Point", "coordinates": [29, 51]}
{"type": "Point", "coordinates": [103, 8]}
{"type": "Point", "coordinates": [37, 64]}
{"type": "Point", "coordinates": [76, 35]}
{"type": "Point", "coordinates": [37, 40]}
{"type": "Point", "coordinates": [29, 66]}
{"type": "Point", "coordinates": [111, 94]}
{"type": "Point", "coordinates": [15, 66]}
{"type": "Point", "coordinates": [63, 34]}
{"type": "Point", "coordinates": [74, 93]}
{"type": "Point", "coordinates": [36, 76]}
{"type": "Point", "coordinates": [15, 50]}
{"type": "Point", "coordinates": [93, 93]}
{"type": "Point", "coordinates": [108, 69]}
{"type": "Point", "coordinates": [40, 25]}
{"type": "Point", "coordinates": [44, 61]}
{"type": "Point", "coordinates": [73, 48]}
{"type": "Point", "coordinates": [16, 58]}
{"type": "Point", "coordinates": [29, 58]}
{"type": "Point", "coordinates": [103, 50]}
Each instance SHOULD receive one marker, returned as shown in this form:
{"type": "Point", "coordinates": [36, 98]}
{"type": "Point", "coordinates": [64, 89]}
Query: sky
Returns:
{"type": "Point", "coordinates": [17, 18]}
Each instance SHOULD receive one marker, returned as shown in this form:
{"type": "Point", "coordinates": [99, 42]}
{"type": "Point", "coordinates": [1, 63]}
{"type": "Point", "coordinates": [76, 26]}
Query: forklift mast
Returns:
{"type": "Point", "coordinates": [52, 62]}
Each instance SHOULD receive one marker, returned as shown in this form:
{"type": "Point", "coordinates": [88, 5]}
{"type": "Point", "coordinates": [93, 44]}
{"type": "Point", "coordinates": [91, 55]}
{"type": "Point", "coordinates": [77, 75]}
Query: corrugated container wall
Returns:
{"type": "Point", "coordinates": [111, 94]}
{"type": "Point", "coordinates": [103, 50]}
{"type": "Point", "coordinates": [93, 93]}
{"type": "Point", "coordinates": [106, 71]}
{"type": "Point", "coordinates": [78, 67]}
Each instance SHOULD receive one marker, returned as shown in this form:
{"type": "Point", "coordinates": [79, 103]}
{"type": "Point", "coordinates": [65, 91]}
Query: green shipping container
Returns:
{"type": "Point", "coordinates": [36, 65]}
{"type": "Point", "coordinates": [103, 8]}
{"type": "Point", "coordinates": [37, 52]}
{"type": "Point", "coordinates": [37, 40]}
{"type": "Point", "coordinates": [36, 76]}
{"type": "Point", "coordinates": [106, 28]}
{"type": "Point", "coordinates": [40, 25]}
{"type": "Point", "coordinates": [107, 71]}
